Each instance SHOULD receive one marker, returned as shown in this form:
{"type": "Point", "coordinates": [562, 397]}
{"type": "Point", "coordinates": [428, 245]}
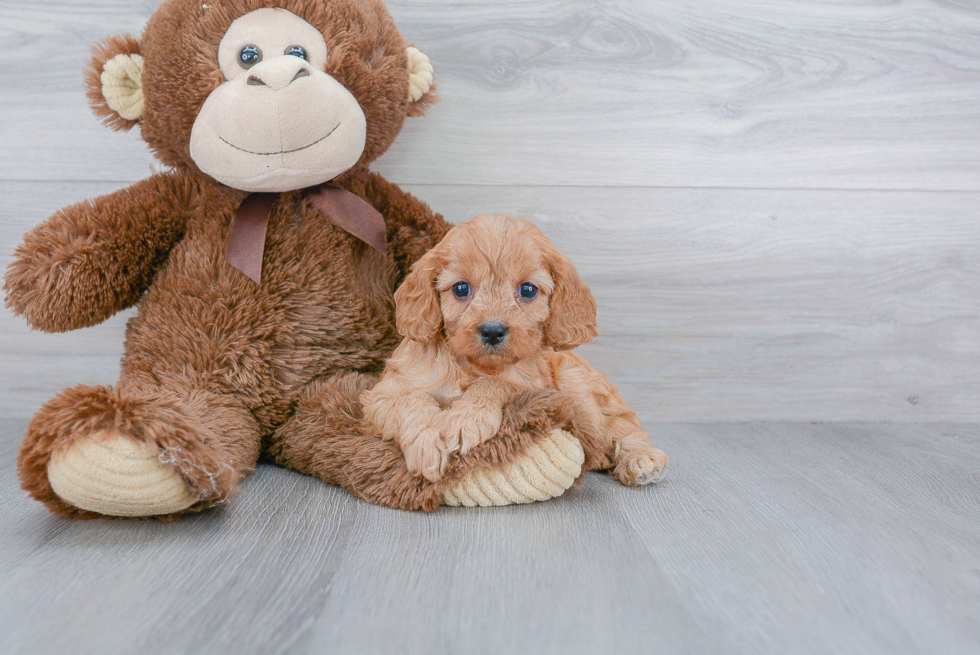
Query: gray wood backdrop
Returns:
{"type": "Point", "coordinates": [774, 202]}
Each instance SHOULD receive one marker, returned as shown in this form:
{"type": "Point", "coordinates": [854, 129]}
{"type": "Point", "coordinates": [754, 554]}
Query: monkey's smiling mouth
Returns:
{"type": "Point", "coordinates": [282, 152]}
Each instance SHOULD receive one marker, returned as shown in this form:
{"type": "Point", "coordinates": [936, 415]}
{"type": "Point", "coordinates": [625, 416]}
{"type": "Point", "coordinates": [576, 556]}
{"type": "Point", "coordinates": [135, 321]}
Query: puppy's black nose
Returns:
{"type": "Point", "coordinates": [492, 333]}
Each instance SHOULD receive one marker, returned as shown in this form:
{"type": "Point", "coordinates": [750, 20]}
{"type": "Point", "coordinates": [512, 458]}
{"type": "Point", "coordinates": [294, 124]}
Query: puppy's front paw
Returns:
{"type": "Point", "coordinates": [382, 416]}
{"type": "Point", "coordinates": [642, 467]}
{"type": "Point", "coordinates": [427, 455]}
{"type": "Point", "coordinates": [466, 428]}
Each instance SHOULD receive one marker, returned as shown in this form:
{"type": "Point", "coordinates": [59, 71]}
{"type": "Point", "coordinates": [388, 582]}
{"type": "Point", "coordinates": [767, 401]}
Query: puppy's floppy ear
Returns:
{"type": "Point", "coordinates": [114, 78]}
{"type": "Point", "coordinates": [418, 315]}
{"type": "Point", "coordinates": [572, 319]}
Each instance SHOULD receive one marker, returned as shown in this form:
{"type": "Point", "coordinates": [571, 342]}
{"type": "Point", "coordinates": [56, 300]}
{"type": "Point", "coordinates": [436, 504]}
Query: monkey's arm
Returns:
{"type": "Point", "coordinates": [95, 258]}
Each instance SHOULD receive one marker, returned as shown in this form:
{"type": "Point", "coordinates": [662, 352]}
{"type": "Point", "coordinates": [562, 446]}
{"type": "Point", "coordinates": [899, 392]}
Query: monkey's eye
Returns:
{"type": "Point", "coordinates": [461, 290]}
{"type": "Point", "coordinates": [249, 56]}
{"type": "Point", "coordinates": [296, 51]}
{"type": "Point", "coordinates": [528, 291]}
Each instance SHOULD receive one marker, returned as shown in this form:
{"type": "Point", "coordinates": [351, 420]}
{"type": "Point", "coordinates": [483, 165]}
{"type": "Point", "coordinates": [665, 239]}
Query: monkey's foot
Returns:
{"type": "Point", "coordinates": [546, 471]}
{"type": "Point", "coordinates": [114, 475]}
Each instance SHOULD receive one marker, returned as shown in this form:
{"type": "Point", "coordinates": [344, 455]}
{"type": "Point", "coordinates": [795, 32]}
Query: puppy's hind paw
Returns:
{"type": "Point", "coordinates": [645, 467]}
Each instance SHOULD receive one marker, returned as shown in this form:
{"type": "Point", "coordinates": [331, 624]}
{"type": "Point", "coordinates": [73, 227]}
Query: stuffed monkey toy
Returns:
{"type": "Point", "coordinates": [262, 263]}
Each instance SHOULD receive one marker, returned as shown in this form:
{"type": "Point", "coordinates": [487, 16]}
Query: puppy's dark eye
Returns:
{"type": "Point", "coordinates": [249, 56]}
{"type": "Point", "coordinates": [461, 290]}
{"type": "Point", "coordinates": [528, 291]}
{"type": "Point", "coordinates": [296, 51]}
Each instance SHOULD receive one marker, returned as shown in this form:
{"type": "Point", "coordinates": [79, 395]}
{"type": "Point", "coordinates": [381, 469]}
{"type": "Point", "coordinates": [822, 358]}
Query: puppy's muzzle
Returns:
{"type": "Point", "coordinates": [492, 333]}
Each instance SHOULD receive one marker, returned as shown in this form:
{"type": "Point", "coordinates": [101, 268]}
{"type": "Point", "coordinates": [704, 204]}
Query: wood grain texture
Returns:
{"type": "Point", "coordinates": [727, 93]}
{"type": "Point", "coordinates": [714, 304]}
{"type": "Point", "coordinates": [765, 538]}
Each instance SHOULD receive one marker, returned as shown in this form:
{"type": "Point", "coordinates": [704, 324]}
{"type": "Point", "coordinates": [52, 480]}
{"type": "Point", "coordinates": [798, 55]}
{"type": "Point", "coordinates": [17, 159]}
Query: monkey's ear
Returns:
{"type": "Point", "coordinates": [114, 78]}
{"type": "Point", "coordinates": [421, 87]}
{"type": "Point", "coordinates": [418, 315]}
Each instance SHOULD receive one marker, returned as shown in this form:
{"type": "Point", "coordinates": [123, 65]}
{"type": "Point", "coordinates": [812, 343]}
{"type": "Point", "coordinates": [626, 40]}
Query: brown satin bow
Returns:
{"type": "Point", "coordinates": [346, 210]}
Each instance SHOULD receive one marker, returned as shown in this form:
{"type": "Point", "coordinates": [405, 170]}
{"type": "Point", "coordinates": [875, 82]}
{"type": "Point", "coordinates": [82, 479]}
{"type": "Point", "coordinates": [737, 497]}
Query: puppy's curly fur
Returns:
{"type": "Point", "coordinates": [492, 311]}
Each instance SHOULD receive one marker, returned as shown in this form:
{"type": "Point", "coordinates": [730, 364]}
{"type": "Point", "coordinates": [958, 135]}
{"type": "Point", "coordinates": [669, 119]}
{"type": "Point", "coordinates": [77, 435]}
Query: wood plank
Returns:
{"type": "Point", "coordinates": [714, 304]}
{"type": "Point", "coordinates": [718, 93]}
{"type": "Point", "coordinates": [820, 539]}
{"type": "Point", "coordinates": [765, 538]}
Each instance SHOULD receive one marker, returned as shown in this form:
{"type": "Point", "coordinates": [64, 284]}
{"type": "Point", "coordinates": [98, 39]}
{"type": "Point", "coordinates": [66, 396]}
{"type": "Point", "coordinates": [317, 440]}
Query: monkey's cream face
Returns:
{"type": "Point", "coordinates": [279, 122]}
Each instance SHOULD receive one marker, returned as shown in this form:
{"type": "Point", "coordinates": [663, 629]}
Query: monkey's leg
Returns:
{"type": "Point", "coordinates": [139, 450]}
{"type": "Point", "coordinates": [532, 457]}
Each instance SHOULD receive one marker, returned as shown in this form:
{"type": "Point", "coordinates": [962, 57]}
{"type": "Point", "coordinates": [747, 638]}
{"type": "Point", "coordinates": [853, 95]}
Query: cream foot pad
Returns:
{"type": "Point", "coordinates": [117, 476]}
{"type": "Point", "coordinates": [546, 471]}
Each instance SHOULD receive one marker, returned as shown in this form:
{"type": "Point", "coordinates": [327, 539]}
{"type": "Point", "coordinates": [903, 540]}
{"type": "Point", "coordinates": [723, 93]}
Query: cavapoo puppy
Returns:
{"type": "Point", "coordinates": [494, 309]}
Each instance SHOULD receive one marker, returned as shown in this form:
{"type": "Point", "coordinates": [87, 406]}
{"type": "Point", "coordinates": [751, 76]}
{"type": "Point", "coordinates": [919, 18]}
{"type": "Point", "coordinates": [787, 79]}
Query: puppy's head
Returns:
{"type": "Point", "coordinates": [498, 290]}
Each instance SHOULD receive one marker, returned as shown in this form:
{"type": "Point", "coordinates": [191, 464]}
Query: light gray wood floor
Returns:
{"type": "Point", "coordinates": [765, 538]}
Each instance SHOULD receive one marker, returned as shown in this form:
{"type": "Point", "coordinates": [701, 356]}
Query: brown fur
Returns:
{"type": "Point", "coordinates": [216, 368]}
{"type": "Point", "coordinates": [366, 54]}
{"type": "Point", "coordinates": [102, 52]}
{"type": "Point", "coordinates": [207, 436]}
{"type": "Point", "coordinates": [444, 387]}
{"type": "Point", "coordinates": [330, 439]}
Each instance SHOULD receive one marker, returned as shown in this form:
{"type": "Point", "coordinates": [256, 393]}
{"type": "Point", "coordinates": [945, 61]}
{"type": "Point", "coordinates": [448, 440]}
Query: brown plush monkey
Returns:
{"type": "Point", "coordinates": [265, 299]}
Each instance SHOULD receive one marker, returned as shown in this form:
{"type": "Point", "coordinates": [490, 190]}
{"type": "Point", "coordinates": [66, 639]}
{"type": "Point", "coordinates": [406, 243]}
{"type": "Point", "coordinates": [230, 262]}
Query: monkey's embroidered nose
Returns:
{"type": "Point", "coordinates": [278, 73]}
{"type": "Point", "coordinates": [492, 333]}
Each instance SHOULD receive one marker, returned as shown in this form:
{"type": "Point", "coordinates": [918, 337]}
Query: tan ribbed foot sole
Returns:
{"type": "Point", "coordinates": [546, 471]}
{"type": "Point", "coordinates": [117, 476]}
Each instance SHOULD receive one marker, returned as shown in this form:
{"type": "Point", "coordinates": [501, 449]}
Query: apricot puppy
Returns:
{"type": "Point", "coordinates": [492, 310]}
